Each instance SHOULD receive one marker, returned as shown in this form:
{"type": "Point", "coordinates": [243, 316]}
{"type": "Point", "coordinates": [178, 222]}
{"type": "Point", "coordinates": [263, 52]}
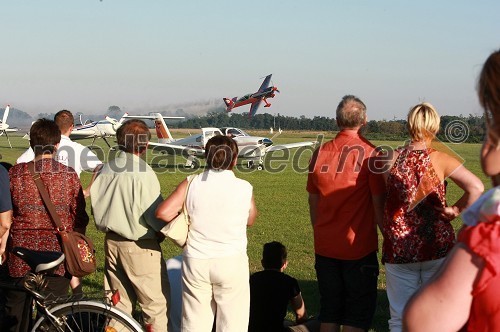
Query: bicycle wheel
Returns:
{"type": "Point", "coordinates": [86, 316]}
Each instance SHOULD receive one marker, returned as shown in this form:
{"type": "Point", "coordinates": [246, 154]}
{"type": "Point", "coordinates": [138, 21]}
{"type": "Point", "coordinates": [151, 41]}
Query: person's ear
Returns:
{"type": "Point", "coordinates": [285, 264]}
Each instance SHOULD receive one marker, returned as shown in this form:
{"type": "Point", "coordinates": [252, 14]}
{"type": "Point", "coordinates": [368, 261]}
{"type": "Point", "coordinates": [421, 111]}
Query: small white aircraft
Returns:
{"type": "Point", "coordinates": [97, 129]}
{"type": "Point", "coordinates": [251, 148]}
{"type": "Point", "coordinates": [4, 127]}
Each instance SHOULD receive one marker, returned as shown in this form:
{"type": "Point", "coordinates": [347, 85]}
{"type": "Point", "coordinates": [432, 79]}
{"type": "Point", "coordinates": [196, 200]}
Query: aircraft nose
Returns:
{"type": "Point", "coordinates": [267, 142]}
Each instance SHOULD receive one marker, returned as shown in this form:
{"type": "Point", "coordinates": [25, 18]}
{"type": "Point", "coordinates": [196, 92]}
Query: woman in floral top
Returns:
{"type": "Point", "coordinates": [417, 229]}
{"type": "Point", "coordinates": [32, 226]}
{"type": "Point", "coordinates": [465, 294]}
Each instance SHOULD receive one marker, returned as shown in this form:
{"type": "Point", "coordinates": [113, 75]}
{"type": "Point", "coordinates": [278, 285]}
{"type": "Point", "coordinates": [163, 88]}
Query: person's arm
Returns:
{"type": "Point", "coordinates": [313, 205]}
{"type": "Point", "coordinates": [490, 154]}
{"type": "Point", "coordinates": [443, 304]}
{"type": "Point", "coordinates": [378, 207]}
{"type": "Point", "coordinates": [377, 183]}
{"type": "Point", "coordinates": [465, 179]}
{"type": "Point", "coordinates": [86, 191]}
{"type": "Point", "coordinates": [170, 207]}
{"type": "Point", "coordinates": [380, 167]}
{"type": "Point", "coordinates": [5, 208]}
{"type": "Point", "coordinates": [299, 308]}
{"type": "Point", "coordinates": [252, 213]}
{"type": "Point", "coordinates": [81, 216]}
{"type": "Point", "coordinates": [5, 222]}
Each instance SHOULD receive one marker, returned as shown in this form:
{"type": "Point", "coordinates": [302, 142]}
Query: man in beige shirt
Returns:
{"type": "Point", "coordinates": [124, 198]}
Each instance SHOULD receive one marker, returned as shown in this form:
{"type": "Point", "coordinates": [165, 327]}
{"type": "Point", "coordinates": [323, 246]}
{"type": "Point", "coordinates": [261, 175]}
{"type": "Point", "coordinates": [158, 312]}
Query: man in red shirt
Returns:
{"type": "Point", "coordinates": [346, 197]}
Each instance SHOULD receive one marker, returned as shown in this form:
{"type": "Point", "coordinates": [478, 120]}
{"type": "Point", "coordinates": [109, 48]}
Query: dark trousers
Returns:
{"type": "Point", "coordinates": [16, 301]}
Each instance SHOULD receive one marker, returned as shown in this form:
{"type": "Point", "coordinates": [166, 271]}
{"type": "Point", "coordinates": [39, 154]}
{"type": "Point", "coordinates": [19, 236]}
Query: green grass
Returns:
{"type": "Point", "coordinates": [281, 200]}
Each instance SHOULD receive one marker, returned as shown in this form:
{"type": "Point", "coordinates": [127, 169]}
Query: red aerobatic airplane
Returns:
{"type": "Point", "coordinates": [265, 91]}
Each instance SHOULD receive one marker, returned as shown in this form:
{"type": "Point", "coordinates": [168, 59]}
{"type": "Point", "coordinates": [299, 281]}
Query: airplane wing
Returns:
{"type": "Point", "coordinates": [85, 131]}
{"type": "Point", "coordinates": [153, 117]}
{"type": "Point", "coordinates": [174, 149]}
{"type": "Point", "coordinates": [265, 84]}
{"type": "Point", "coordinates": [82, 134]}
{"type": "Point", "coordinates": [290, 146]}
{"type": "Point", "coordinates": [254, 108]}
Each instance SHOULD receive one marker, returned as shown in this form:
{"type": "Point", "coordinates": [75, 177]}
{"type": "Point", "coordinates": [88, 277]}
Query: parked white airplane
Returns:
{"type": "Point", "coordinates": [97, 129]}
{"type": "Point", "coordinates": [4, 127]}
{"type": "Point", "coordinates": [251, 148]}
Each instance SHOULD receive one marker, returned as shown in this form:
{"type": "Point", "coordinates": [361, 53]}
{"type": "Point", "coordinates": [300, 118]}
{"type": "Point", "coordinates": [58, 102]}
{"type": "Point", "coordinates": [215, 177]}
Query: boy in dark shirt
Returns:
{"type": "Point", "coordinates": [272, 290]}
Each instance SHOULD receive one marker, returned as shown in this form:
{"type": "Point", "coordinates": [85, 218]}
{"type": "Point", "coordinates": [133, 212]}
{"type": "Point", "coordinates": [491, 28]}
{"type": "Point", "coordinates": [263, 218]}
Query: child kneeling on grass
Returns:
{"type": "Point", "coordinates": [271, 291]}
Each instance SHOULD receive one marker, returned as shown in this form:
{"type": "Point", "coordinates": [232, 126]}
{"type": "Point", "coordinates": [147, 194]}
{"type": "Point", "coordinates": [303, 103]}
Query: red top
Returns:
{"type": "Point", "coordinates": [339, 173]}
{"type": "Point", "coordinates": [32, 226]}
{"type": "Point", "coordinates": [483, 240]}
{"type": "Point", "coordinates": [414, 231]}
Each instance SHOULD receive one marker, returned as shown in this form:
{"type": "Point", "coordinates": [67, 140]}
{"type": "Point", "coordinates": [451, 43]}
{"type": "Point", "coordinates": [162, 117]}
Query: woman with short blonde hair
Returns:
{"type": "Point", "coordinates": [416, 225]}
{"type": "Point", "coordinates": [463, 295]}
{"type": "Point", "coordinates": [423, 122]}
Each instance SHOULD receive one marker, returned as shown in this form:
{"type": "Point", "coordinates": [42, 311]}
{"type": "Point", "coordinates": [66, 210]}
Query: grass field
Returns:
{"type": "Point", "coordinates": [281, 200]}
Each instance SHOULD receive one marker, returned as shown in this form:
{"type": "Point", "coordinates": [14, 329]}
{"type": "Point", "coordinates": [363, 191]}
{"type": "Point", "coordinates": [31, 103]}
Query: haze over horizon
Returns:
{"type": "Point", "coordinates": [144, 56]}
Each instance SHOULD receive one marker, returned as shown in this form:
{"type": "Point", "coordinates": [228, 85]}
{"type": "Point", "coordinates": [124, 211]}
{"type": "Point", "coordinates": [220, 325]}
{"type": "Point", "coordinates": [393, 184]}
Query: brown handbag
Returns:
{"type": "Point", "coordinates": [78, 248]}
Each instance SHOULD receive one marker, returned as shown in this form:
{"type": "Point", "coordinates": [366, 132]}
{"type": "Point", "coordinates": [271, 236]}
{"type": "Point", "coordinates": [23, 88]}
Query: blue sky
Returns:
{"type": "Point", "coordinates": [142, 55]}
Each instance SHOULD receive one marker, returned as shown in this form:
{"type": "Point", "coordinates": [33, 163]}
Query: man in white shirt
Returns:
{"type": "Point", "coordinates": [69, 153]}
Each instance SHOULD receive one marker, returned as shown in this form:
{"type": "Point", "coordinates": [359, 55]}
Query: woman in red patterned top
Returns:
{"type": "Point", "coordinates": [32, 226]}
{"type": "Point", "coordinates": [465, 294]}
{"type": "Point", "coordinates": [417, 229]}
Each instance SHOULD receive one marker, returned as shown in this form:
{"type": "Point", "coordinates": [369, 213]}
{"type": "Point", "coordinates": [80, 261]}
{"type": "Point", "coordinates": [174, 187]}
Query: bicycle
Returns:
{"type": "Point", "coordinates": [55, 314]}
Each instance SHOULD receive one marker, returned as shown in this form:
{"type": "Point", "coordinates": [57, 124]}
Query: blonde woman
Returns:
{"type": "Point", "coordinates": [463, 295]}
{"type": "Point", "coordinates": [417, 229]}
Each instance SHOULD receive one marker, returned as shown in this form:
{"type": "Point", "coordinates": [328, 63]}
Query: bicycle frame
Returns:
{"type": "Point", "coordinates": [62, 313]}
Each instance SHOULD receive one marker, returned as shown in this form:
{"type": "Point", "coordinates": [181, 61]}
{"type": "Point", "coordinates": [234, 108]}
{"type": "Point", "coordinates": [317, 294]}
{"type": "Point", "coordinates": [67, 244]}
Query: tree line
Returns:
{"type": "Point", "coordinates": [456, 129]}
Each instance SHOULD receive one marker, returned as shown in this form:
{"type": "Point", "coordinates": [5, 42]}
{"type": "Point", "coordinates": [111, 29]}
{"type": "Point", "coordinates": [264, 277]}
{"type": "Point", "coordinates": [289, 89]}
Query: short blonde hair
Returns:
{"type": "Point", "coordinates": [423, 122]}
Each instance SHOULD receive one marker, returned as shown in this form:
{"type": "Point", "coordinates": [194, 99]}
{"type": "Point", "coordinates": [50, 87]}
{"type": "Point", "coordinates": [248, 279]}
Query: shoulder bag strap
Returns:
{"type": "Point", "coordinates": [184, 208]}
{"type": "Point", "coordinates": [45, 196]}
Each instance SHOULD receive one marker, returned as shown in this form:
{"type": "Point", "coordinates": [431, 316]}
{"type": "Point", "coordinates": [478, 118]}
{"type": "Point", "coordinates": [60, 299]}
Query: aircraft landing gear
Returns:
{"type": "Point", "coordinates": [192, 162]}
{"type": "Point", "coordinates": [251, 164]}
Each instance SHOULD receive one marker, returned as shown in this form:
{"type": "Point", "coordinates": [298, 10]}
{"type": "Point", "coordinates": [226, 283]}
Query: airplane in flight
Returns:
{"type": "Point", "coordinates": [4, 127]}
{"type": "Point", "coordinates": [251, 148]}
{"type": "Point", "coordinates": [265, 91]}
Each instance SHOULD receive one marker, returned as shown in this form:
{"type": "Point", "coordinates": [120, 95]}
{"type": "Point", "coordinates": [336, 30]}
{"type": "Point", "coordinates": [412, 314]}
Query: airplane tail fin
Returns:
{"type": "Point", "coordinates": [5, 115]}
{"type": "Point", "coordinates": [229, 103]}
{"type": "Point", "coordinates": [123, 118]}
{"type": "Point", "coordinates": [164, 135]}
